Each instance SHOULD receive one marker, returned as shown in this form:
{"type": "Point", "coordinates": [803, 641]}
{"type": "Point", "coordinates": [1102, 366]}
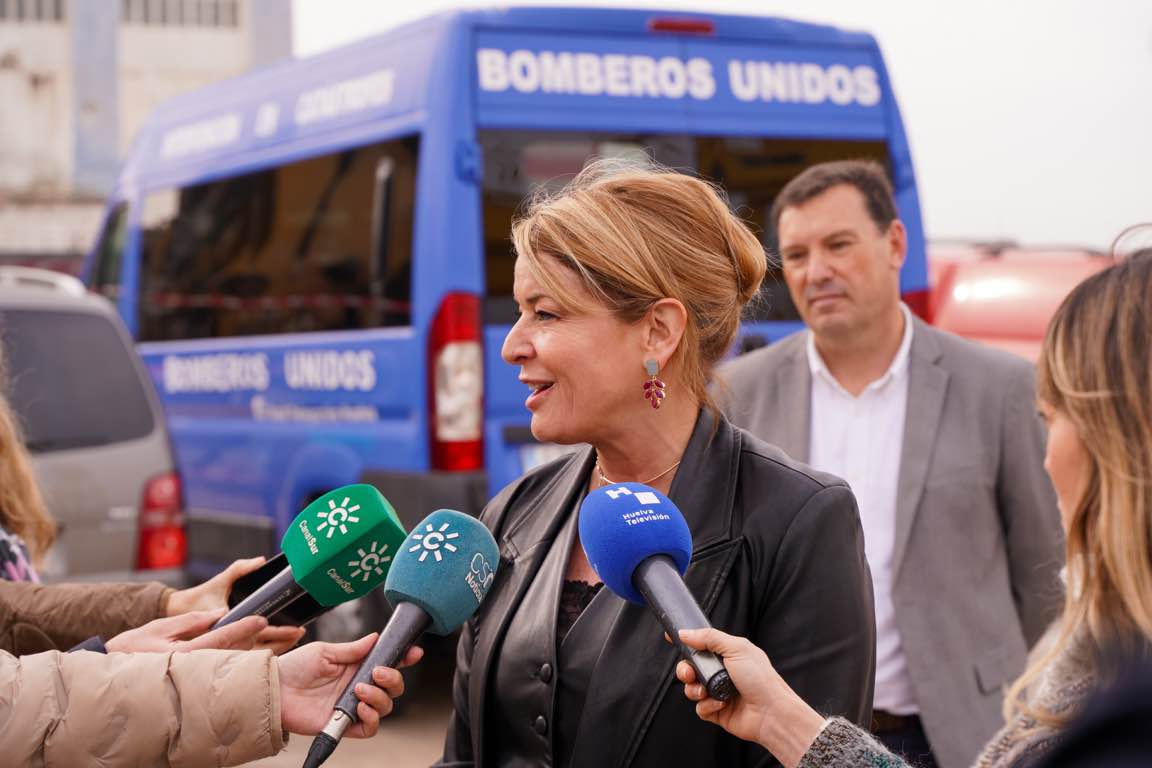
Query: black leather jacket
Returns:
{"type": "Point", "coordinates": [778, 558]}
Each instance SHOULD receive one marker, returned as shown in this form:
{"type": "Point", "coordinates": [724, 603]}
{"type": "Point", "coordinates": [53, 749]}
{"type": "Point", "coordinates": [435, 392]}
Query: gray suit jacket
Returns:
{"type": "Point", "coordinates": [978, 543]}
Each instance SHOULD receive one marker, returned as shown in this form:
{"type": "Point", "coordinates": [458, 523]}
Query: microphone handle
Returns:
{"type": "Point", "coordinates": [407, 623]}
{"type": "Point", "coordinates": [666, 594]}
{"type": "Point", "coordinates": [273, 595]}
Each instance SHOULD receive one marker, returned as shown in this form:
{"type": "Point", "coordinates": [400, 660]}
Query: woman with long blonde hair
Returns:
{"type": "Point", "coordinates": [1094, 389]}
{"type": "Point", "coordinates": [26, 529]}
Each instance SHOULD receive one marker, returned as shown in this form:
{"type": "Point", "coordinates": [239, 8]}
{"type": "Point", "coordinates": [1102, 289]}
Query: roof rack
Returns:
{"type": "Point", "coordinates": [12, 276]}
{"type": "Point", "coordinates": [996, 248]}
{"type": "Point", "coordinates": [992, 247]}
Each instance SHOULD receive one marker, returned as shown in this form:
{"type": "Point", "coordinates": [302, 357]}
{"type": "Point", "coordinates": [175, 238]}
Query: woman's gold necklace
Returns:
{"type": "Point", "coordinates": [605, 481]}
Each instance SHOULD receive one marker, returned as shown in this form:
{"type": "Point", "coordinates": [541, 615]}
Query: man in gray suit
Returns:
{"type": "Point", "coordinates": [938, 438]}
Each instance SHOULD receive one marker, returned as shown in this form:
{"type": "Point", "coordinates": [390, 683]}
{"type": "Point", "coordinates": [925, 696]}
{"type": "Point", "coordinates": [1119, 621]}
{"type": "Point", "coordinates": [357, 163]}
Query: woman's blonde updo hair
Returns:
{"type": "Point", "coordinates": [638, 234]}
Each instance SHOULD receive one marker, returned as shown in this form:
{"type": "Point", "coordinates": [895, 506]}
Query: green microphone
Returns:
{"type": "Point", "coordinates": [338, 549]}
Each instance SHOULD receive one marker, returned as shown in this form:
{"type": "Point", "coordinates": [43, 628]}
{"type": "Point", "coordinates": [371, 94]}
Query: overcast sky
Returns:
{"type": "Point", "coordinates": [1028, 119]}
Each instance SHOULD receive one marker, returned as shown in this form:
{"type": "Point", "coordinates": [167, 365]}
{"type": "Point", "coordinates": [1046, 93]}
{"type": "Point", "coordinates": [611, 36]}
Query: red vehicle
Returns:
{"type": "Point", "coordinates": [1003, 294]}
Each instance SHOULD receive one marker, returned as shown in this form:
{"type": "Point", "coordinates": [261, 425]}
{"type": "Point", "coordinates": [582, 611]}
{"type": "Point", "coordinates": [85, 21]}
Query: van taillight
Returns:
{"type": "Point", "coordinates": [456, 385]}
{"type": "Point", "coordinates": [920, 302]}
{"type": "Point", "coordinates": [161, 524]}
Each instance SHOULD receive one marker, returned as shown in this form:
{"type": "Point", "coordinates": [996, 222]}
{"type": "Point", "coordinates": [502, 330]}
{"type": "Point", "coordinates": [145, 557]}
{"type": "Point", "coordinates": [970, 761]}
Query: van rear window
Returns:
{"type": "Point", "coordinates": [72, 380]}
{"type": "Point", "coordinates": [752, 171]}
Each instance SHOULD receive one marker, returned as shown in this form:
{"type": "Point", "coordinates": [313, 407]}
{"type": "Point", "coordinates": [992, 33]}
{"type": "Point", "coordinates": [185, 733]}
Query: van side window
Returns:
{"type": "Point", "coordinates": [321, 244]}
{"type": "Point", "coordinates": [110, 253]}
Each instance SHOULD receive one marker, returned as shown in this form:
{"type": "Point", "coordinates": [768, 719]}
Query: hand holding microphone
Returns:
{"type": "Point", "coordinates": [338, 549]}
{"type": "Point", "coordinates": [640, 545]}
{"type": "Point", "coordinates": [767, 711]}
{"type": "Point", "coordinates": [212, 595]}
{"type": "Point", "coordinates": [750, 669]}
{"type": "Point", "coordinates": [438, 579]}
{"type": "Point", "coordinates": [190, 632]}
{"type": "Point", "coordinates": [313, 676]}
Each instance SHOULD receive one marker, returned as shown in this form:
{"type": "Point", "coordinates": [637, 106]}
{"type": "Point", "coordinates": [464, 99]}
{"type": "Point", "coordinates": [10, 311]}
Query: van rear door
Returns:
{"type": "Point", "coordinates": [749, 105]}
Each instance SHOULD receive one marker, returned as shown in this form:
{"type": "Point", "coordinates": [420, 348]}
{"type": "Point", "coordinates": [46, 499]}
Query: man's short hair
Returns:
{"type": "Point", "coordinates": [866, 176]}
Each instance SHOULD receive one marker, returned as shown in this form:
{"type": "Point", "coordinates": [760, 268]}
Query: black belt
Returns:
{"type": "Point", "coordinates": [885, 722]}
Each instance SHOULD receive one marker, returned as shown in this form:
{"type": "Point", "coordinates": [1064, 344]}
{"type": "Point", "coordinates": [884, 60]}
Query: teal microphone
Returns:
{"type": "Point", "coordinates": [438, 579]}
{"type": "Point", "coordinates": [338, 549]}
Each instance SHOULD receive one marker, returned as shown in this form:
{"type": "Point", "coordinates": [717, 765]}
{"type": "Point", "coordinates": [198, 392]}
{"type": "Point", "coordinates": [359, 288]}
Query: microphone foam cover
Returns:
{"type": "Point", "coordinates": [445, 566]}
{"type": "Point", "coordinates": [624, 524]}
{"type": "Point", "coordinates": [341, 546]}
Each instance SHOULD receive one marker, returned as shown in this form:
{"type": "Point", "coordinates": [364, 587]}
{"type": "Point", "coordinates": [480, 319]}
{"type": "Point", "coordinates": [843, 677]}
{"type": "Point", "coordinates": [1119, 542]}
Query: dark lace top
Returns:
{"type": "Point", "coordinates": [574, 598]}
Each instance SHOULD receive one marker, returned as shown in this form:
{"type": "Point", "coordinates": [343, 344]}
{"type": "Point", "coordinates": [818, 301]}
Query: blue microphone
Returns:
{"type": "Point", "coordinates": [638, 542]}
{"type": "Point", "coordinates": [437, 580]}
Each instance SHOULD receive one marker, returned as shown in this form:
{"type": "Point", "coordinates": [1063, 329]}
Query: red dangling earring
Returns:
{"type": "Point", "coordinates": [653, 388]}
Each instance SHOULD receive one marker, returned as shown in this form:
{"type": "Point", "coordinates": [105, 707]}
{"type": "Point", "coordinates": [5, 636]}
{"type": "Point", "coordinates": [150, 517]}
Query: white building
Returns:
{"type": "Point", "coordinates": [77, 79]}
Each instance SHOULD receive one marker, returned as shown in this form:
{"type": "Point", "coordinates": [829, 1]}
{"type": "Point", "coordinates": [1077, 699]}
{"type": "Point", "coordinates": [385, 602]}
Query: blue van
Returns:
{"type": "Point", "coordinates": [315, 257]}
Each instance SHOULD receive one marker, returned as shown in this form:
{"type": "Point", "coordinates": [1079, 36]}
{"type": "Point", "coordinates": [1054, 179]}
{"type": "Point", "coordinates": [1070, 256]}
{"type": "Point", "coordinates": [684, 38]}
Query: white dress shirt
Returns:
{"type": "Point", "coordinates": [861, 440]}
